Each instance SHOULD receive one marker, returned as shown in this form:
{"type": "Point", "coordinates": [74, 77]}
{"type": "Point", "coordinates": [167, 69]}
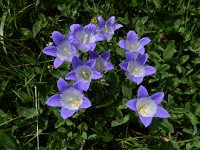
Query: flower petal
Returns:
{"type": "Point", "coordinates": [90, 28]}
{"type": "Point", "coordinates": [62, 85]}
{"type": "Point", "coordinates": [129, 56]}
{"type": "Point", "coordinates": [141, 51]}
{"type": "Point", "coordinates": [142, 59]}
{"type": "Point", "coordinates": [123, 65]}
{"type": "Point", "coordinates": [86, 103]}
{"type": "Point", "coordinates": [50, 50]}
{"type": "Point", "coordinates": [132, 36]}
{"type": "Point", "coordinates": [93, 55]}
{"type": "Point", "coordinates": [149, 70]}
{"type": "Point", "coordinates": [54, 101]}
{"type": "Point", "coordinates": [71, 76]}
{"type": "Point", "coordinates": [161, 113]}
{"type": "Point", "coordinates": [157, 97]}
{"type": "Point", "coordinates": [90, 63]}
{"type": "Point", "coordinates": [111, 21]}
{"type": "Point", "coordinates": [96, 75]}
{"type": "Point", "coordinates": [137, 80]}
{"type": "Point", "coordinates": [58, 37]}
{"type": "Point", "coordinates": [85, 85]}
{"type": "Point", "coordinates": [108, 66]}
{"type": "Point", "coordinates": [75, 27]}
{"type": "Point", "coordinates": [142, 92]}
{"type": "Point", "coordinates": [99, 37]}
{"type": "Point", "coordinates": [90, 47]}
{"type": "Point", "coordinates": [144, 41]}
{"type": "Point", "coordinates": [132, 104]}
{"type": "Point", "coordinates": [118, 26]}
{"type": "Point", "coordinates": [122, 44]}
{"type": "Point", "coordinates": [77, 85]}
{"type": "Point", "coordinates": [108, 37]}
{"type": "Point", "coordinates": [102, 22]}
{"type": "Point", "coordinates": [57, 62]}
{"type": "Point", "coordinates": [105, 55]}
{"type": "Point", "coordinates": [66, 113]}
{"type": "Point", "coordinates": [76, 62]}
{"type": "Point", "coordinates": [145, 120]}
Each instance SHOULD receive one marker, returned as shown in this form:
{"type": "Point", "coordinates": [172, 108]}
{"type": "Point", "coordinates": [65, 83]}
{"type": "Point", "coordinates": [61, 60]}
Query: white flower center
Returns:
{"type": "Point", "coordinates": [64, 52]}
{"type": "Point", "coordinates": [135, 69]}
{"type": "Point", "coordinates": [84, 72]}
{"type": "Point", "coordinates": [133, 45]}
{"type": "Point", "coordinates": [146, 107]}
{"type": "Point", "coordinates": [106, 28]}
{"type": "Point", "coordinates": [71, 99]}
{"type": "Point", "coordinates": [100, 64]}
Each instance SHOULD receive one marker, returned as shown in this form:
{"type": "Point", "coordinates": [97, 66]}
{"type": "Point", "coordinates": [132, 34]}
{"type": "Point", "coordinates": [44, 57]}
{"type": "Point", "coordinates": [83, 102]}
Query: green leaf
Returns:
{"type": "Point", "coordinates": [27, 34]}
{"type": "Point", "coordinates": [84, 135]}
{"type": "Point", "coordinates": [144, 19]}
{"type": "Point", "coordinates": [196, 61]}
{"type": "Point", "coordinates": [26, 112]}
{"type": "Point", "coordinates": [178, 67]}
{"type": "Point", "coordinates": [183, 59]}
{"type": "Point", "coordinates": [7, 141]}
{"type": "Point", "coordinates": [190, 90]}
{"type": "Point", "coordinates": [91, 137]}
{"type": "Point", "coordinates": [188, 131]}
{"type": "Point", "coordinates": [168, 125]}
{"type": "Point", "coordinates": [139, 27]}
{"type": "Point", "coordinates": [197, 111]}
{"type": "Point", "coordinates": [125, 19]}
{"type": "Point", "coordinates": [177, 24]}
{"type": "Point", "coordinates": [192, 117]}
{"type": "Point", "coordinates": [120, 121]}
{"type": "Point", "coordinates": [169, 51]}
{"type": "Point", "coordinates": [107, 137]}
{"type": "Point", "coordinates": [36, 28]}
{"type": "Point", "coordinates": [126, 90]}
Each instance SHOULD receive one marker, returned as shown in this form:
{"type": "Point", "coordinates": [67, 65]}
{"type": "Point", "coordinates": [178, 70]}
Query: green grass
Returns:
{"type": "Point", "coordinates": [27, 76]}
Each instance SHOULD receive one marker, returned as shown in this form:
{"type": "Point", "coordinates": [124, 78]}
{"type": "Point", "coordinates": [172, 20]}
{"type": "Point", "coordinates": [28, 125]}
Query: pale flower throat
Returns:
{"type": "Point", "coordinates": [146, 107]}
{"type": "Point", "coordinates": [71, 99]}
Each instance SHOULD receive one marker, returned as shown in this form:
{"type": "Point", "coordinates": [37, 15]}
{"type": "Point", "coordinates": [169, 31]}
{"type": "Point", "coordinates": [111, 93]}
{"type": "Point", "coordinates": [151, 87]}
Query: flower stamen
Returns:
{"type": "Point", "coordinates": [67, 50]}
{"type": "Point", "coordinates": [85, 38]}
{"type": "Point", "coordinates": [85, 75]}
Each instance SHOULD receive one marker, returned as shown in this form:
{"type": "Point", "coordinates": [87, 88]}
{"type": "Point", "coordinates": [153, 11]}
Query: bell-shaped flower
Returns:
{"type": "Point", "coordinates": [83, 73]}
{"type": "Point", "coordinates": [63, 50]}
{"type": "Point", "coordinates": [85, 37]}
{"type": "Point", "coordinates": [108, 27]}
{"type": "Point", "coordinates": [70, 99]}
{"type": "Point", "coordinates": [148, 106]}
{"type": "Point", "coordinates": [135, 67]}
{"type": "Point", "coordinates": [133, 44]}
{"type": "Point", "coordinates": [102, 63]}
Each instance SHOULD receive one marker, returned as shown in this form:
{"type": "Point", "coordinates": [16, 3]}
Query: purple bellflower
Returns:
{"type": "Point", "coordinates": [132, 44]}
{"type": "Point", "coordinates": [108, 27]}
{"type": "Point", "coordinates": [70, 99]}
{"type": "Point", "coordinates": [148, 106]}
{"type": "Point", "coordinates": [63, 50]}
{"type": "Point", "coordinates": [85, 37]}
{"type": "Point", "coordinates": [102, 63]}
{"type": "Point", "coordinates": [135, 67]}
{"type": "Point", "coordinates": [83, 73]}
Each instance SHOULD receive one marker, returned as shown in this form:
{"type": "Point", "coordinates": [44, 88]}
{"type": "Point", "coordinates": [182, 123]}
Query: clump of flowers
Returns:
{"type": "Point", "coordinates": [84, 39]}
